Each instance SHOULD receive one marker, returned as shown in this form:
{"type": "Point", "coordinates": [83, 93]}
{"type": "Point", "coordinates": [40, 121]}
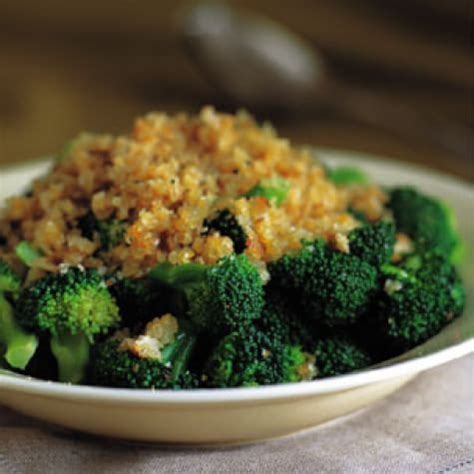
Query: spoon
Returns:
{"type": "Point", "coordinates": [260, 63]}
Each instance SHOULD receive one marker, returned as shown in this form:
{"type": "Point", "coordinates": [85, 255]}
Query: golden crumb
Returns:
{"type": "Point", "coordinates": [163, 180]}
{"type": "Point", "coordinates": [403, 246]}
{"type": "Point", "coordinates": [158, 333]}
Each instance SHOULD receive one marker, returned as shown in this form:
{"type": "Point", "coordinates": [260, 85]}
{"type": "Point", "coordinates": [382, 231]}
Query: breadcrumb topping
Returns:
{"type": "Point", "coordinates": [158, 333]}
{"type": "Point", "coordinates": [163, 180]}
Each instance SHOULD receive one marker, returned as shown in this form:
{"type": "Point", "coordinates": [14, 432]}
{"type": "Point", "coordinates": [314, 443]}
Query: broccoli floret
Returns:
{"type": "Point", "coordinates": [420, 296]}
{"type": "Point", "coordinates": [428, 221]}
{"type": "Point", "coordinates": [220, 298]}
{"type": "Point", "coordinates": [280, 318]}
{"type": "Point", "coordinates": [145, 362]}
{"type": "Point", "coordinates": [346, 175]}
{"type": "Point", "coordinates": [274, 189]}
{"type": "Point", "coordinates": [226, 224]}
{"type": "Point", "coordinates": [139, 300]}
{"type": "Point", "coordinates": [73, 307]}
{"type": "Point", "coordinates": [74, 301]}
{"type": "Point", "coordinates": [111, 231]}
{"type": "Point", "coordinates": [334, 288]}
{"type": "Point", "coordinates": [112, 367]}
{"type": "Point", "coordinates": [339, 354]}
{"type": "Point", "coordinates": [10, 282]}
{"type": "Point", "coordinates": [19, 346]}
{"type": "Point", "coordinates": [373, 243]}
{"type": "Point", "coordinates": [253, 357]}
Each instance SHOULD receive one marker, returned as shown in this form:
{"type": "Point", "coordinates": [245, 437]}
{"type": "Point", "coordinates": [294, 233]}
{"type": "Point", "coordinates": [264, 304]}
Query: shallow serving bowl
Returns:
{"type": "Point", "coordinates": [249, 414]}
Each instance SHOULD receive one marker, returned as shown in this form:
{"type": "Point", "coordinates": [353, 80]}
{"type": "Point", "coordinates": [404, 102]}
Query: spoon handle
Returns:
{"type": "Point", "coordinates": [402, 120]}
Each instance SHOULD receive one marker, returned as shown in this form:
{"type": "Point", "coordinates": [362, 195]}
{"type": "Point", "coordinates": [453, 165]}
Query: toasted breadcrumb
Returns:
{"type": "Point", "coordinates": [158, 333]}
{"type": "Point", "coordinates": [163, 180]}
{"type": "Point", "coordinates": [403, 246]}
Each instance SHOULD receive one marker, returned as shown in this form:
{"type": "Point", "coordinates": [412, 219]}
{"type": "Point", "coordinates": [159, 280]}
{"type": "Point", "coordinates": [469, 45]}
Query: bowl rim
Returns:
{"type": "Point", "coordinates": [389, 369]}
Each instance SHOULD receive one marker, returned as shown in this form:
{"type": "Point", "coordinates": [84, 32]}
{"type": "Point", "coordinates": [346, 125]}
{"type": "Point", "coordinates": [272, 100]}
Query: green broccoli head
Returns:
{"type": "Point", "coordinates": [226, 224]}
{"type": "Point", "coordinates": [373, 243]}
{"type": "Point", "coordinates": [281, 318]}
{"type": "Point", "coordinates": [220, 298]}
{"type": "Point", "coordinates": [10, 282]}
{"type": "Point", "coordinates": [334, 288]}
{"type": "Point", "coordinates": [428, 221]}
{"type": "Point", "coordinates": [338, 354]}
{"type": "Point", "coordinates": [111, 232]}
{"type": "Point", "coordinates": [139, 300]}
{"type": "Point", "coordinates": [71, 307]}
{"type": "Point", "coordinates": [420, 296]}
{"type": "Point", "coordinates": [253, 357]}
{"type": "Point", "coordinates": [146, 361]}
{"type": "Point", "coordinates": [273, 189]}
{"type": "Point", "coordinates": [73, 301]}
{"type": "Point", "coordinates": [112, 367]}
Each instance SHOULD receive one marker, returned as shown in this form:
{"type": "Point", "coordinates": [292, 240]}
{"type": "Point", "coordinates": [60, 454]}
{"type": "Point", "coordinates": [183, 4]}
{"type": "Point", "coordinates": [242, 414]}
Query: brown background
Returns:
{"type": "Point", "coordinates": [94, 65]}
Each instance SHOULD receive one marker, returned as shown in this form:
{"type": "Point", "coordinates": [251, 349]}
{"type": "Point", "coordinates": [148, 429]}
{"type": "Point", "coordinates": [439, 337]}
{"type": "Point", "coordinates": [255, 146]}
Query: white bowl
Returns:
{"type": "Point", "coordinates": [249, 414]}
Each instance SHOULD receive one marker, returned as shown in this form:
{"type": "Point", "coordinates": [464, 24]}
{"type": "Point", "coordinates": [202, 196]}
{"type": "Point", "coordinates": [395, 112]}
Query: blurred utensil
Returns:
{"type": "Point", "coordinates": [260, 63]}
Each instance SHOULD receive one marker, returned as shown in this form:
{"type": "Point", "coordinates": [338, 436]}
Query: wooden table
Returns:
{"type": "Point", "coordinates": [72, 66]}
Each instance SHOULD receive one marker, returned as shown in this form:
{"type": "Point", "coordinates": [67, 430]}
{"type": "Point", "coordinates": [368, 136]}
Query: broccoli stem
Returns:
{"type": "Point", "coordinates": [182, 356]}
{"type": "Point", "coordinates": [274, 189]}
{"type": "Point", "coordinates": [347, 175]}
{"type": "Point", "coordinates": [27, 253]}
{"type": "Point", "coordinates": [20, 345]}
{"type": "Point", "coordinates": [177, 275]}
{"type": "Point", "coordinates": [72, 355]}
{"type": "Point", "coordinates": [66, 150]}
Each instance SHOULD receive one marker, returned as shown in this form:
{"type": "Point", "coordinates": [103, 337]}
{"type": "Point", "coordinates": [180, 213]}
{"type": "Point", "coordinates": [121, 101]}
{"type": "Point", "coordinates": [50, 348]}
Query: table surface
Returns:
{"type": "Point", "coordinates": [428, 426]}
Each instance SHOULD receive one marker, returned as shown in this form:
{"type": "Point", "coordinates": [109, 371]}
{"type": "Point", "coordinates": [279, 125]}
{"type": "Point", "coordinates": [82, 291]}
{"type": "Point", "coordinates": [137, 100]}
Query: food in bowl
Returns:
{"type": "Point", "coordinates": [206, 251]}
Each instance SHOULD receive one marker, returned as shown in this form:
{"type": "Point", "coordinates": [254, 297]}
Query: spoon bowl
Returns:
{"type": "Point", "coordinates": [251, 58]}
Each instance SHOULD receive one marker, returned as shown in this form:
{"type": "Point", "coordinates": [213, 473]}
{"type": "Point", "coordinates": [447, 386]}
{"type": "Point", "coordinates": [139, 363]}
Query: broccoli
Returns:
{"type": "Point", "coordinates": [111, 231]}
{"type": "Point", "coordinates": [334, 288]}
{"type": "Point", "coordinates": [73, 307]}
{"type": "Point", "coordinates": [139, 300]}
{"type": "Point", "coordinates": [67, 150]}
{"type": "Point", "coordinates": [10, 282]}
{"type": "Point", "coordinates": [428, 221]}
{"type": "Point", "coordinates": [338, 354]}
{"type": "Point", "coordinates": [220, 298]}
{"type": "Point", "coordinates": [19, 346]}
{"type": "Point", "coordinates": [346, 175]}
{"type": "Point", "coordinates": [157, 359]}
{"type": "Point", "coordinates": [252, 357]}
{"type": "Point", "coordinates": [274, 189]}
{"type": "Point", "coordinates": [373, 243]}
{"type": "Point", "coordinates": [358, 215]}
{"type": "Point", "coordinates": [420, 296]}
{"type": "Point", "coordinates": [280, 318]}
{"type": "Point", "coordinates": [27, 253]}
{"type": "Point", "coordinates": [227, 225]}
{"type": "Point", "coordinates": [43, 364]}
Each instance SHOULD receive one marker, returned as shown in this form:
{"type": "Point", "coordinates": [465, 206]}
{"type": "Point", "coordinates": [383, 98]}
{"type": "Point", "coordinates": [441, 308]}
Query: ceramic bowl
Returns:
{"type": "Point", "coordinates": [239, 415]}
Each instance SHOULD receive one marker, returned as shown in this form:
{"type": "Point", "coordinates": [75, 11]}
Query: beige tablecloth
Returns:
{"type": "Point", "coordinates": [428, 426]}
